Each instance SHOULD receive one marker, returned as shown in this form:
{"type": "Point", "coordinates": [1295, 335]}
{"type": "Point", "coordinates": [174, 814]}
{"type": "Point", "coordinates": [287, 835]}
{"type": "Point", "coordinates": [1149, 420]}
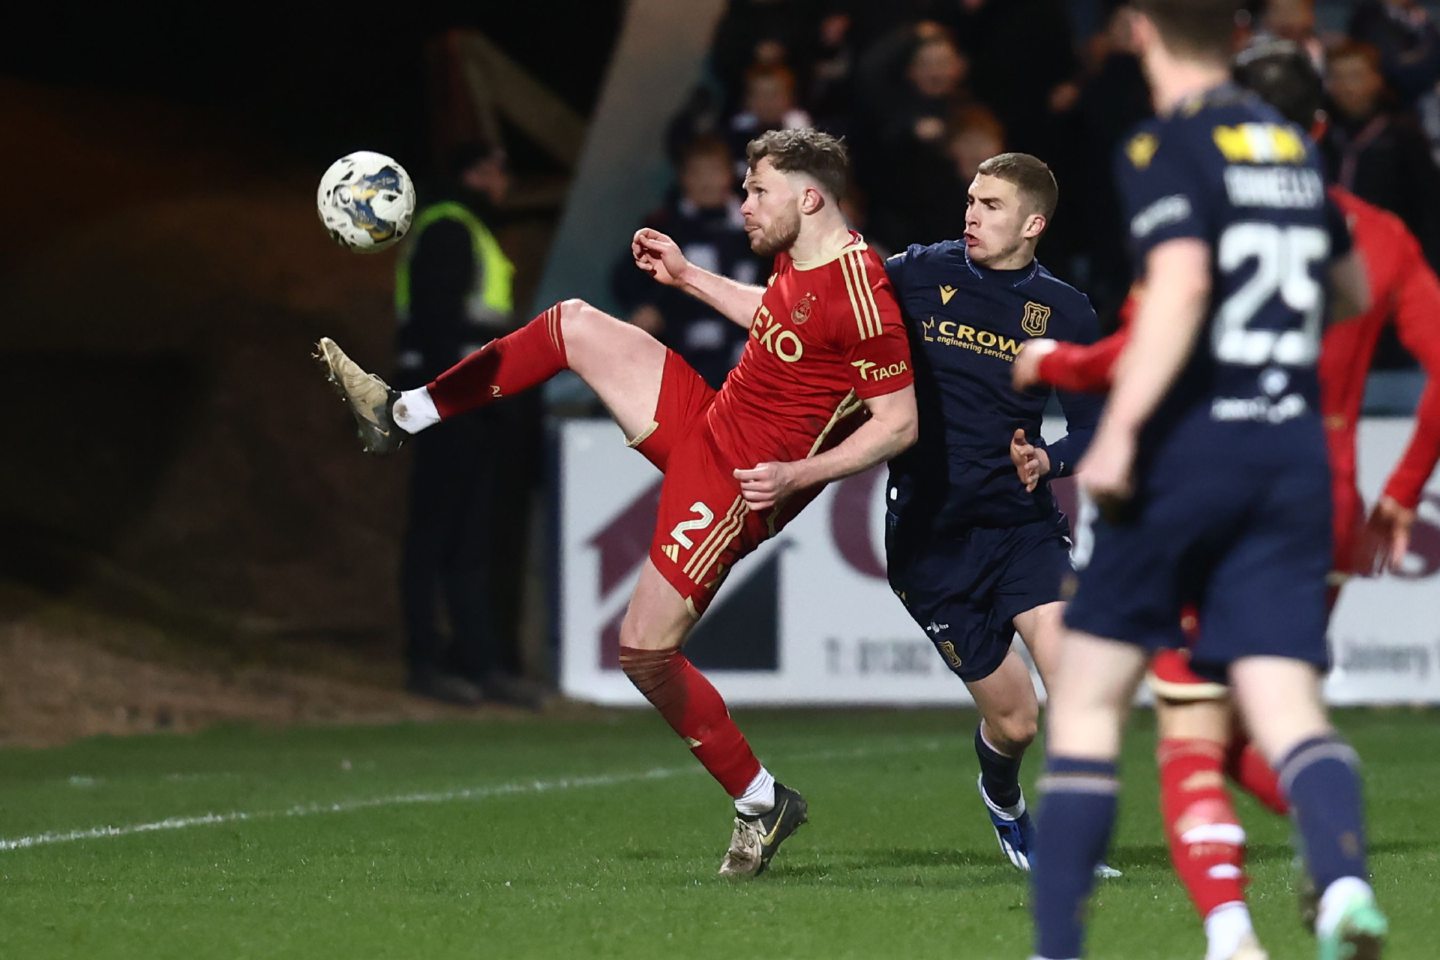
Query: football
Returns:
{"type": "Point", "coordinates": [366, 201]}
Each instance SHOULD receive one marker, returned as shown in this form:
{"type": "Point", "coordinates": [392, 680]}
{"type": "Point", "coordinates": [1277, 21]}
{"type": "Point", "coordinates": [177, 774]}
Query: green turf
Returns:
{"type": "Point", "coordinates": [599, 837]}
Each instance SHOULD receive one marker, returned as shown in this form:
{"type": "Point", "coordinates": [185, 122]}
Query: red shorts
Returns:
{"type": "Point", "coordinates": [703, 525]}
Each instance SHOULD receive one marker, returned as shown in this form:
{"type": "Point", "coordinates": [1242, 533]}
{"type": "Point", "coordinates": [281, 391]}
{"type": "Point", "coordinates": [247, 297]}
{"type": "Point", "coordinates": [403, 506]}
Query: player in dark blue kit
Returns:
{"type": "Point", "coordinates": [974, 553]}
{"type": "Point", "coordinates": [1209, 469]}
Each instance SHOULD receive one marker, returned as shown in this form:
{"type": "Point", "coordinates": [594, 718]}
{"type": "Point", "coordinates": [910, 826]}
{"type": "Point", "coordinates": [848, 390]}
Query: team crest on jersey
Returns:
{"type": "Point", "coordinates": [1037, 315]}
{"type": "Point", "coordinates": [1141, 149]}
{"type": "Point", "coordinates": [803, 309]}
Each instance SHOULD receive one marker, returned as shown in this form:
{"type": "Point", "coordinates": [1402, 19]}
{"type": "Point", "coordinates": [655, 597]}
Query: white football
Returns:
{"type": "Point", "coordinates": [366, 201]}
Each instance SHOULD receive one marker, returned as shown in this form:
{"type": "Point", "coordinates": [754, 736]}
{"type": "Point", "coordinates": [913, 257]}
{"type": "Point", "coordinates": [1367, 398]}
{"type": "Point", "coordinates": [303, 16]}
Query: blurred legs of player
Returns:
{"type": "Point", "coordinates": [1317, 771]}
{"type": "Point", "coordinates": [1084, 716]}
{"type": "Point", "coordinates": [1206, 841]}
{"type": "Point", "coordinates": [1280, 701]}
{"type": "Point", "coordinates": [1198, 746]}
{"type": "Point", "coordinates": [1198, 739]}
{"type": "Point", "coordinates": [627, 369]}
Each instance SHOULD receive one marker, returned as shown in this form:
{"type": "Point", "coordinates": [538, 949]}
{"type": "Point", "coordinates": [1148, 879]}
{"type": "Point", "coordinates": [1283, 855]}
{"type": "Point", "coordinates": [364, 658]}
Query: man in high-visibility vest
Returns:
{"type": "Point", "coordinates": [453, 294]}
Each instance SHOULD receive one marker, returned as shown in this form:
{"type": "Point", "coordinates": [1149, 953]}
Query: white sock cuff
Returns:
{"type": "Point", "coordinates": [415, 410]}
{"type": "Point", "coordinates": [1334, 898]}
{"type": "Point", "coordinates": [759, 797]}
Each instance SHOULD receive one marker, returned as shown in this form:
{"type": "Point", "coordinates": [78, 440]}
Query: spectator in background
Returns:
{"type": "Point", "coordinates": [704, 221]}
{"type": "Point", "coordinates": [1114, 99]}
{"type": "Point", "coordinates": [1292, 21]}
{"type": "Point", "coordinates": [1376, 152]}
{"type": "Point", "coordinates": [1024, 64]}
{"type": "Point", "coordinates": [975, 136]}
{"type": "Point", "coordinates": [769, 104]}
{"type": "Point", "coordinates": [452, 295]}
{"type": "Point", "coordinates": [1025, 67]}
{"type": "Point", "coordinates": [1409, 46]}
{"type": "Point", "coordinates": [915, 195]}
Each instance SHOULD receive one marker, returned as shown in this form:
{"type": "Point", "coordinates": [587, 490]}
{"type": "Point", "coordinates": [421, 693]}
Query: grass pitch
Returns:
{"type": "Point", "coordinates": [599, 837]}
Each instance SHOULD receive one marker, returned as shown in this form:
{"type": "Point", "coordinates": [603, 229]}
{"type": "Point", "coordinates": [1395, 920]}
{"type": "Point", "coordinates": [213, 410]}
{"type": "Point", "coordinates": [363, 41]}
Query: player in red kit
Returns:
{"type": "Point", "coordinates": [1195, 719]}
{"type": "Point", "coordinates": [823, 390]}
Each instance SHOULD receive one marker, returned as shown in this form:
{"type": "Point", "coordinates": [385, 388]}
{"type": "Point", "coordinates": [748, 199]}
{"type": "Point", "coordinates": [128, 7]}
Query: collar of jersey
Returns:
{"type": "Point", "coordinates": [1014, 277]}
{"type": "Point", "coordinates": [1218, 95]}
{"type": "Point", "coordinates": [856, 243]}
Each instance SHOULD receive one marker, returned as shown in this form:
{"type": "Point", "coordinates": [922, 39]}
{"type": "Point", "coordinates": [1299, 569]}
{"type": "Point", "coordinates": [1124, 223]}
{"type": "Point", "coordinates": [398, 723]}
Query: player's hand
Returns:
{"type": "Point", "coordinates": [1387, 535]}
{"type": "Point", "coordinates": [766, 484]}
{"type": "Point", "coordinates": [1031, 462]}
{"type": "Point", "coordinates": [1106, 472]}
{"type": "Point", "coordinates": [659, 256]}
{"type": "Point", "coordinates": [1025, 371]}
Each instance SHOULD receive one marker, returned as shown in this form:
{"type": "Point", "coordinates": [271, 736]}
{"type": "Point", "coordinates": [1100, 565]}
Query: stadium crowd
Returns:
{"type": "Point", "coordinates": [924, 90]}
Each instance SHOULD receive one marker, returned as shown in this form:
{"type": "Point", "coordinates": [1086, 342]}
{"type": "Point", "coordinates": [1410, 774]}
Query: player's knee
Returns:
{"type": "Point", "coordinates": [583, 329]}
{"type": "Point", "coordinates": [1013, 731]}
{"type": "Point", "coordinates": [649, 670]}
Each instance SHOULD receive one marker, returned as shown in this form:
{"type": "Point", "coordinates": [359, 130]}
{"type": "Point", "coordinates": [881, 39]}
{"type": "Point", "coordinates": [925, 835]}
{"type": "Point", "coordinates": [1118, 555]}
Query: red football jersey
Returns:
{"type": "Point", "coordinates": [826, 335]}
{"type": "Point", "coordinates": [1402, 288]}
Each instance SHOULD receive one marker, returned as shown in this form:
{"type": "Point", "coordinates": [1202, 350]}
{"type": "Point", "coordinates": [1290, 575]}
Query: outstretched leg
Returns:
{"type": "Point", "coordinates": [620, 362]}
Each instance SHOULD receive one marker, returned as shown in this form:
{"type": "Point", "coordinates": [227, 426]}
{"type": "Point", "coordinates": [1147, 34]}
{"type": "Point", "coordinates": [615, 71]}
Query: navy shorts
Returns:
{"type": "Point", "coordinates": [1249, 547]}
{"type": "Point", "coordinates": [964, 588]}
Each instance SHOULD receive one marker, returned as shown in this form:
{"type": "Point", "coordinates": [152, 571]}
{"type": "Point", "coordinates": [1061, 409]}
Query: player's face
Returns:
{"type": "Point", "coordinates": [771, 210]}
{"type": "Point", "coordinates": [995, 224]}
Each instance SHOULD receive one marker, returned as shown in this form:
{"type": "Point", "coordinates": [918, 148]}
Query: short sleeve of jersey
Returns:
{"type": "Point", "coordinates": [897, 267]}
{"type": "Point", "coordinates": [1160, 190]}
{"type": "Point", "coordinates": [869, 329]}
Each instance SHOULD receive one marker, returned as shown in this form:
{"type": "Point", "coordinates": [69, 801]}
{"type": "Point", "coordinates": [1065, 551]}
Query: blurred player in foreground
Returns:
{"type": "Point", "coordinates": [823, 390]}
{"type": "Point", "coordinates": [1194, 717]}
{"type": "Point", "coordinates": [1209, 468]}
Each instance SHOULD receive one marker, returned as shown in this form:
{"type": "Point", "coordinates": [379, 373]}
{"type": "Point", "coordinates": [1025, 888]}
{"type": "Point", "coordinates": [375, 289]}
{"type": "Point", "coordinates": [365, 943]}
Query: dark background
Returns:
{"type": "Point", "coordinates": [176, 482]}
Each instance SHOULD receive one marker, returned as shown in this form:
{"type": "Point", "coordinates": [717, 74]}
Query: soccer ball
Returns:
{"type": "Point", "coordinates": [366, 201]}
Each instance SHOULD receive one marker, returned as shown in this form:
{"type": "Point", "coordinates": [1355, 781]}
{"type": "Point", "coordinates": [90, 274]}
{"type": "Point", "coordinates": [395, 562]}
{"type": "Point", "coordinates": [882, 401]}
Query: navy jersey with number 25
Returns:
{"type": "Point", "coordinates": [1231, 506]}
{"type": "Point", "coordinates": [1227, 170]}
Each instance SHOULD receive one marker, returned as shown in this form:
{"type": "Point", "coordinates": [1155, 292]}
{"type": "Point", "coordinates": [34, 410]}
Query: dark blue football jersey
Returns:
{"type": "Point", "coordinates": [966, 325]}
{"type": "Point", "coordinates": [1225, 168]}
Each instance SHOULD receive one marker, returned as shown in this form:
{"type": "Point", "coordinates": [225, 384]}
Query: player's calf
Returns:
{"type": "Point", "coordinates": [1207, 843]}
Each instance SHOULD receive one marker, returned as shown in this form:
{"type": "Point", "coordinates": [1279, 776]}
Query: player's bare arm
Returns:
{"type": "Point", "coordinates": [892, 427]}
{"type": "Point", "coordinates": [1166, 325]}
{"type": "Point", "coordinates": [1025, 372]}
{"type": "Point", "coordinates": [1349, 287]}
{"type": "Point", "coordinates": [660, 256]}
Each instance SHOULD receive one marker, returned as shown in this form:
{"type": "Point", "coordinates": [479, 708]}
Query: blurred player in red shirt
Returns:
{"type": "Point", "coordinates": [1195, 719]}
{"type": "Point", "coordinates": [823, 389]}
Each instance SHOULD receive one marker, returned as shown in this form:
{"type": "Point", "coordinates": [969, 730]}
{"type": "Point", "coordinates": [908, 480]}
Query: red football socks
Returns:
{"type": "Point", "coordinates": [693, 708]}
{"type": "Point", "coordinates": [512, 364]}
{"type": "Point", "coordinates": [1252, 774]}
{"type": "Point", "coordinates": [1207, 844]}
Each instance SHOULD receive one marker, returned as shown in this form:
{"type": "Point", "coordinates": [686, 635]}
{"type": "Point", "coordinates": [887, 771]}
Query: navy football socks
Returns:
{"type": "Point", "coordinates": [1320, 779]}
{"type": "Point", "coordinates": [1077, 815]}
{"type": "Point", "coordinates": [999, 774]}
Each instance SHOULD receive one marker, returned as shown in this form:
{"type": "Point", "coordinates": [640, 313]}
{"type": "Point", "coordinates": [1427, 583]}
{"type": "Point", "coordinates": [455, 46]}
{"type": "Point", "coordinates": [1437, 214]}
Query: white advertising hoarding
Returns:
{"type": "Point", "coordinates": [809, 618]}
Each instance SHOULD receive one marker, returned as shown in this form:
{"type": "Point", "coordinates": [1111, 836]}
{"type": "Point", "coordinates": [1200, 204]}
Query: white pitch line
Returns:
{"type": "Point", "coordinates": [404, 799]}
